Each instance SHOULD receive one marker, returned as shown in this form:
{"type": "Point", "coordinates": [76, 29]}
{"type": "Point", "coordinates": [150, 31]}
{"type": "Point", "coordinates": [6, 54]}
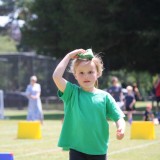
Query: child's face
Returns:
{"type": "Point", "coordinates": [86, 75]}
{"type": "Point", "coordinates": [148, 109]}
{"type": "Point", "coordinates": [129, 91]}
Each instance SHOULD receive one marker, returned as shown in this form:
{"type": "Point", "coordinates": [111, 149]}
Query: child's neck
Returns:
{"type": "Point", "coordinates": [89, 89]}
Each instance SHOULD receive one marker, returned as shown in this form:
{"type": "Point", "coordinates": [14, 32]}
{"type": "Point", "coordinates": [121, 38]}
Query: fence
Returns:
{"type": "Point", "coordinates": [16, 70]}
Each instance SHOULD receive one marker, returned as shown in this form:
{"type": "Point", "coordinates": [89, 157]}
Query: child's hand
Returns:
{"type": "Point", "coordinates": [73, 54]}
{"type": "Point", "coordinates": [120, 134]}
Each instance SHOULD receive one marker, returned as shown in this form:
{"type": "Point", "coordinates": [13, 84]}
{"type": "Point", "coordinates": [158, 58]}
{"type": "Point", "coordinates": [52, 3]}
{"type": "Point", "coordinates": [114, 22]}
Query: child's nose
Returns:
{"type": "Point", "coordinates": [85, 75]}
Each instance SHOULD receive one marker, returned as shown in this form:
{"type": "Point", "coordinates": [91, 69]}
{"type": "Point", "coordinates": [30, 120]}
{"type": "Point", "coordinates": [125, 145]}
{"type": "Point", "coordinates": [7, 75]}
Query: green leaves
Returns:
{"type": "Point", "coordinates": [127, 32]}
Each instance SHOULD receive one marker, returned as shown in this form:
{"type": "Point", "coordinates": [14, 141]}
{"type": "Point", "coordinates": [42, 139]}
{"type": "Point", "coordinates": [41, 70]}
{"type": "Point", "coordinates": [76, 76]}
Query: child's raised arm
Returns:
{"type": "Point", "coordinates": [61, 67]}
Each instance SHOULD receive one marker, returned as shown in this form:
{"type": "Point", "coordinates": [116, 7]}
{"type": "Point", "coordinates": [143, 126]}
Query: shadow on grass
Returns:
{"type": "Point", "coordinates": [59, 116]}
{"type": "Point", "coordinates": [136, 117]}
{"type": "Point", "coordinates": [140, 109]}
{"type": "Point", "coordinates": [55, 116]}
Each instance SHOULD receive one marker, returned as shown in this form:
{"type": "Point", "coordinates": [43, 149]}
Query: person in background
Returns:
{"type": "Point", "coordinates": [157, 92]}
{"type": "Point", "coordinates": [148, 115]}
{"type": "Point", "coordinates": [116, 91]}
{"type": "Point", "coordinates": [129, 103]}
{"type": "Point", "coordinates": [136, 92]}
{"type": "Point", "coordinates": [33, 92]}
{"type": "Point", "coordinates": [85, 129]}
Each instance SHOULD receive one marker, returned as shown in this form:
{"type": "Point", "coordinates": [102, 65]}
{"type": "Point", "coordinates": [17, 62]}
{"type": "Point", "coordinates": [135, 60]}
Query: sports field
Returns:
{"type": "Point", "coordinates": [46, 148]}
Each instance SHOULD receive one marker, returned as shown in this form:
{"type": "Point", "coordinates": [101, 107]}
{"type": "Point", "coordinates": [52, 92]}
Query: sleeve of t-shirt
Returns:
{"type": "Point", "coordinates": [68, 92]}
{"type": "Point", "coordinates": [113, 112]}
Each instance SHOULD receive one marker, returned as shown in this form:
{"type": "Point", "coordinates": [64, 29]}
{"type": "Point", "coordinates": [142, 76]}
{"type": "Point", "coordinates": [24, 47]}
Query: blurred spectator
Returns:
{"type": "Point", "coordinates": [136, 92]}
{"type": "Point", "coordinates": [148, 115]}
{"type": "Point", "coordinates": [129, 103]}
{"type": "Point", "coordinates": [157, 92]}
{"type": "Point", "coordinates": [158, 117]}
{"type": "Point", "coordinates": [116, 91]}
{"type": "Point", "coordinates": [33, 93]}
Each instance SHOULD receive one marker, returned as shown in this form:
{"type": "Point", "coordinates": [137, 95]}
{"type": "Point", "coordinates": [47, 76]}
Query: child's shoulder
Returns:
{"type": "Point", "coordinates": [103, 92]}
{"type": "Point", "coordinates": [72, 86]}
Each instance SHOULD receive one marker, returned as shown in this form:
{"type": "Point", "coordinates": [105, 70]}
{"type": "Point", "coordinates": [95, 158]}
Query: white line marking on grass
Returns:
{"type": "Point", "coordinates": [28, 142]}
{"type": "Point", "coordinates": [39, 152]}
{"type": "Point", "coordinates": [132, 148]}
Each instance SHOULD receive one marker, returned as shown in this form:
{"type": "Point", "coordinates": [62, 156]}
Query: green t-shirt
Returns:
{"type": "Point", "coordinates": [85, 127]}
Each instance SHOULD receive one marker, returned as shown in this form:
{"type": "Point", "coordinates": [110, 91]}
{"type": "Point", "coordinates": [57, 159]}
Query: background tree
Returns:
{"type": "Point", "coordinates": [127, 32]}
{"type": "Point", "coordinates": [6, 6]}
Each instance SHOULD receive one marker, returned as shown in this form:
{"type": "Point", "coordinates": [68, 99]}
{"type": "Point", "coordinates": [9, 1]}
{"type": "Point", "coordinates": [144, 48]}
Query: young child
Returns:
{"type": "Point", "coordinates": [116, 91]}
{"type": "Point", "coordinates": [148, 115]}
{"type": "Point", "coordinates": [129, 103]}
{"type": "Point", "coordinates": [85, 128]}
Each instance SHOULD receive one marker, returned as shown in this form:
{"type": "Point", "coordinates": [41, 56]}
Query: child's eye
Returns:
{"type": "Point", "coordinates": [81, 73]}
{"type": "Point", "coordinates": [90, 72]}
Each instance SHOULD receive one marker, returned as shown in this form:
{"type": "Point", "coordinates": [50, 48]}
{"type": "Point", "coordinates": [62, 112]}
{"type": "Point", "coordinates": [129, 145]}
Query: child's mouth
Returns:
{"type": "Point", "coordinates": [86, 81]}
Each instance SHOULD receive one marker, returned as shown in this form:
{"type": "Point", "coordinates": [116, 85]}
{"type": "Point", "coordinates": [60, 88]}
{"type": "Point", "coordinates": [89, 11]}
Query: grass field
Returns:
{"type": "Point", "coordinates": [46, 148]}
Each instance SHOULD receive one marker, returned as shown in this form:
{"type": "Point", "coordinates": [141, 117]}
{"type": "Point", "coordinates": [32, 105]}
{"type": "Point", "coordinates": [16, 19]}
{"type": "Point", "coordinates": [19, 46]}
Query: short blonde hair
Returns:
{"type": "Point", "coordinates": [149, 105]}
{"type": "Point", "coordinates": [129, 88]}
